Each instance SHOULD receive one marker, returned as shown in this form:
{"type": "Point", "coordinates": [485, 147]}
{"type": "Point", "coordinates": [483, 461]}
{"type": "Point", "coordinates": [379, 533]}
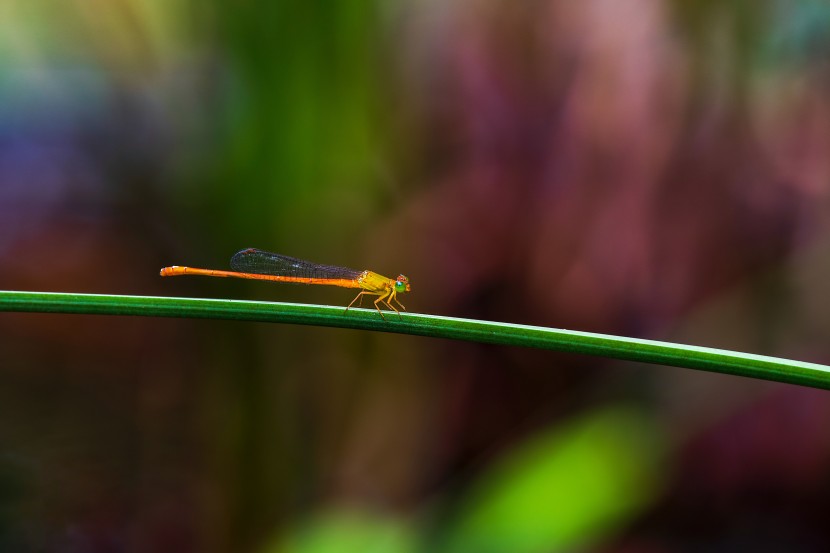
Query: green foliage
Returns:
{"type": "Point", "coordinates": [346, 532]}
{"type": "Point", "coordinates": [566, 488]}
{"type": "Point", "coordinates": [301, 131]}
{"type": "Point", "coordinates": [563, 489]}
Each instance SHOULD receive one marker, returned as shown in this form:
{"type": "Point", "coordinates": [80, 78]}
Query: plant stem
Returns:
{"type": "Point", "coordinates": [604, 345]}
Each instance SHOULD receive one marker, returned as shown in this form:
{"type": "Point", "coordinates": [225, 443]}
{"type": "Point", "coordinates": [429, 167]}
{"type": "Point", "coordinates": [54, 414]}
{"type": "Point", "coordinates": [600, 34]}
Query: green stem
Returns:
{"type": "Point", "coordinates": [617, 347]}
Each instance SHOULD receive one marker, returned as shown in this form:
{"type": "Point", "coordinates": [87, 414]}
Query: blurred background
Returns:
{"type": "Point", "coordinates": [651, 168]}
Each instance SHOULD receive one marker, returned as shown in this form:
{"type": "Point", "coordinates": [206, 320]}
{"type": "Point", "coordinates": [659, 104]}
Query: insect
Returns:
{"type": "Point", "coordinates": [261, 265]}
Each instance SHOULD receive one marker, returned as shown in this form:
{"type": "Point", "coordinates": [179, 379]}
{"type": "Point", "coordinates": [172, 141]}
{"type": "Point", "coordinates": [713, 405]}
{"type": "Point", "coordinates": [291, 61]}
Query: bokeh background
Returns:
{"type": "Point", "coordinates": [652, 168]}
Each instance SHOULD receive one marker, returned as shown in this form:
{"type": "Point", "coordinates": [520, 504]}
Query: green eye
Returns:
{"type": "Point", "coordinates": [400, 286]}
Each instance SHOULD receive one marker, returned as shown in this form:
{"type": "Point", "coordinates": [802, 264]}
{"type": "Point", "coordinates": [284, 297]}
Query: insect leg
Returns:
{"type": "Point", "coordinates": [395, 297]}
{"type": "Point", "coordinates": [359, 296]}
{"type": "Point", "coordinates": [382, 299]}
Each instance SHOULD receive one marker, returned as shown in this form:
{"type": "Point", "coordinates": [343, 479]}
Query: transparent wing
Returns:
{"type": "Point", "coordinates": [266, 263]}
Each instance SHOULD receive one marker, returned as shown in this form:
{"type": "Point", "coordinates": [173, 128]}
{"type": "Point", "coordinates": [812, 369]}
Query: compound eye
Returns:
{"type": "Point", "coordinates": [400, 286]}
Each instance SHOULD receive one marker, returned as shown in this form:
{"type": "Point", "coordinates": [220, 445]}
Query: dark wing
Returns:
{"type": "Point", "coordinates": [266, 263]}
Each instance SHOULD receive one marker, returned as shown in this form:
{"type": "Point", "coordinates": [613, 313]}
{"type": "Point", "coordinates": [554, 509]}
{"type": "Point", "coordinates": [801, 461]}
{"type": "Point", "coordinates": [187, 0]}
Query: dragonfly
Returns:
{"type": "Point", "coordinates": [257, 264]}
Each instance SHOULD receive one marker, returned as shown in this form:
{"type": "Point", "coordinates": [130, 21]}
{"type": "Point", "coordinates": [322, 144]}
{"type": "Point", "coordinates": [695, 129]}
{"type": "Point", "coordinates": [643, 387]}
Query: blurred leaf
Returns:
{"type": "Point", "coordinates": [799, 34]}
{"type": "Point", "coordinates": [304, 130]}
{"type": "Point", "coordinates": [347, 532]}
{"type": "Point", "coordinates": [564, 489]}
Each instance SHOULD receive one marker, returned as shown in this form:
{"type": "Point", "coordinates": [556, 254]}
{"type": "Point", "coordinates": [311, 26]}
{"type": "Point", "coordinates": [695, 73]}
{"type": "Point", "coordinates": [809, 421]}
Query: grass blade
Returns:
{"type": "Point", "coordinates": [604, 345]}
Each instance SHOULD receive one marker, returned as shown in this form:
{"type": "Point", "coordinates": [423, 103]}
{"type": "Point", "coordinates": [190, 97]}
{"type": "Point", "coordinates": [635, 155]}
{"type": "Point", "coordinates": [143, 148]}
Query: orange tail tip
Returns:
{"type": "Point", "coordinates": [170, 271]}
